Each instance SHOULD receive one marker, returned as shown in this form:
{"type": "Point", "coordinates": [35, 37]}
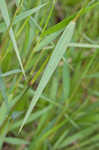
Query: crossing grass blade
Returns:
{"type": "Point", "coordinates": [61, 25]}
{"type": "Point", "coordinates": [48, 39]}
{"type": "Point", "coordinates": [58, 53]}
{"type": "Point", "coordinates": [28, 13]}
{"type": "Point", "coordinates": [32, 118]}
{"type": "Point", "coordinates": [10, 73]}
{"type": "Point", "coordinates": [4, 11]}
{"type": "Point", "coordinates": [80, 135]}
{"type": "Point", "coordinates": [22, 16]}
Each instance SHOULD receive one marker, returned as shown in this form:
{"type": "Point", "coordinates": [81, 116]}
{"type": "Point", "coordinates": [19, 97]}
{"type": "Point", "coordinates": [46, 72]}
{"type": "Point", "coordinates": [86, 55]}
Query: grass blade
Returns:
{"type": "Point", "coordinates": [28, 13]}
{"type": "Point", "coordinates": [4, 11]}
{"type": "Point", "coordinates": [95, 75]}
{"type": "Point", "coordinates": [52, 64]}
{"type": "Point", "coordinates": [66, 81]}
{"type": "Point", "coordinates": [15, 141]}
{"type": "Point", "coordinates": [80, 135]}
{"type": "Point", "coordinates": [2, 27]}
{"type": "Point", "coordinates": [3, 90]}
{"type": "Point", "coordinates": [10, 73]}
{"type": "Point", "coordinates": [48, 39]}
{"type": "Point", "coordinates": [64, 22]}
{"type": "Point", "coordinates": [83, 45]}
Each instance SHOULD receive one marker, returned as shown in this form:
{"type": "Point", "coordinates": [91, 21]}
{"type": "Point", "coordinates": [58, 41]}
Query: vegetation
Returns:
{"type": "Point", "coordinates": [49, 74]}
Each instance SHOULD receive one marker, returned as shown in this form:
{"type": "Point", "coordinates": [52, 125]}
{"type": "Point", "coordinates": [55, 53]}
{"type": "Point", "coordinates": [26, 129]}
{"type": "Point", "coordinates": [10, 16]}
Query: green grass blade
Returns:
{"type": "Point", "coordinates": [48, 39]}
{"type": "Point", "coordinates": [61, 138]}
{"type": "Point", "coordinates": [2, 27]}
{"type": "Point", "coordinates": [80, 135]}
{"type": "Point", "coordinates": [3, 90]}
{"type": "Point", "coordinates": [22, 16]}
{"type": "Point", "coordinates": [4, 11]}
{"type": "Point", "coordinates": [32, 118]}
{"type": "Point", "coordinates": [10, 73]}
{"type": "Point", "coordinates": [28, 13]}
{"type": "Point", "coordinates": [3, 134]}
{"type": "Point", "coordinates": [95, 75]}
{"type": "Point", "coordinates": [66, 81]}
{"type": "Point", "coordinates": [3, 109]}
{"type": "Point", "coordinates": [15, 141]}
{"type": "Point", "coordinates": [64, 22]}
{"type": "Point", "coordinates": [58, 26]}
{"type": "Point", "coordinates": [52, 64]}
{"type": "Point", "coordinates": [83, 45]}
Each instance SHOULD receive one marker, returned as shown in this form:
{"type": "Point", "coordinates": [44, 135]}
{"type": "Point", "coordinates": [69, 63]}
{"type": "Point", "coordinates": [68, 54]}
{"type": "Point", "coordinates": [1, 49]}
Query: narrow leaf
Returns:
{"type": "Point", "coordinates": [48, 39]}
{"type": "Point", "coordinates": [3, 90]}
{"type": "Point", "coordinates": [63, 23]}
{"type": "Point", "coordinates": [15, 141]}
{"type": "Point", "coordinates": [2, 27]}
{"type": "Point", "coordinates": [66, 81]}
{"type": "Point", "coordinates": [4, 11]}
{"type": "Point", "coordinates": [52, 64]}
{"type": "Point", "coordinates": [10, 73]}
{"type": "Point", "coordinates": [83, 45]}
{"type": "Point", "coordinates": [27, 13]}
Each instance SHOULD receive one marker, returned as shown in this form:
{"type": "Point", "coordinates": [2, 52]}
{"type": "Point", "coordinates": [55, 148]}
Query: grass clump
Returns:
{"type": "Point", "coordinates": [49, 89]}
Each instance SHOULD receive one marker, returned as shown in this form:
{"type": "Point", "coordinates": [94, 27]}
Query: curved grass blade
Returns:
{"type": "Point", "coordinates": [4, 11]}
{"type": "Point", "coordinates": [58, 53]}
{"type": "Point", "coordinates": [10, 73]}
